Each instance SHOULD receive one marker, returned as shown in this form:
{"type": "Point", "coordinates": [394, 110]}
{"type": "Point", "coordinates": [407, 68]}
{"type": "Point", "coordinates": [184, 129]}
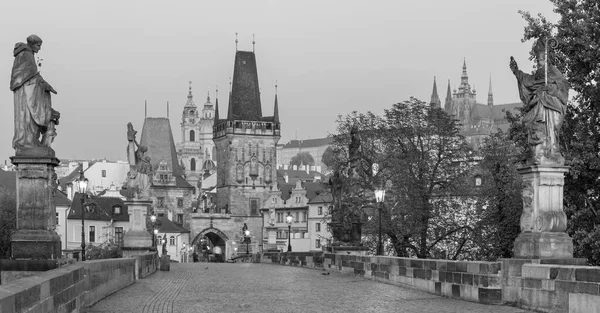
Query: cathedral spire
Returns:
{"type": "Point", "coordinates": [448, 102]}
{"type": "Point", "coordinates": [464, 78]}
{"type": "Point", "coordinates": [490, 94]}
{"type": "Point", "coordinates": [435, 98]}
{"type": "Point", "coordinates": [276, 107]}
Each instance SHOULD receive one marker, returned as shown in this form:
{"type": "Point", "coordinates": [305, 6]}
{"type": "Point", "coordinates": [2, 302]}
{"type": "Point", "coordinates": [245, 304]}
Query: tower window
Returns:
{"type": "Point", "coordinates": [192, 135]}
{"type": "Point", "coordinates": [192, 164]}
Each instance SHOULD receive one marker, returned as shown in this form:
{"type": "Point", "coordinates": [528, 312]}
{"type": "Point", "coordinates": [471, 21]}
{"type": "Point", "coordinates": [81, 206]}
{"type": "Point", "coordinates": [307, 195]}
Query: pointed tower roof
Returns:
{"type": "Point", "coordinates": [276, 108]}
{"type": "Point", "coordinates": [217, 105]}
{"type": "Point", "coordinates": [464, 78]}
{"type": "Point", "coordinates": [158, 138]}
{"type": "Point", "coordinates": [435, 98]}
{"type": "Point", "coordinates": [490, 94]}
{"type": "Point", "coordinates": [244, 102]}
{"type": "Point", "coordinates": [448, 101]}
{"type": "Point", "coordinates": [190, 99]}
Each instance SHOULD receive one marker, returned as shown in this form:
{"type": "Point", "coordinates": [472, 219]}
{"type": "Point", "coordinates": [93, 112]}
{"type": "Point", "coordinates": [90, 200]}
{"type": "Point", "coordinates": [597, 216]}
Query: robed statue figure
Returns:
{"type": "Point", "coordinates": [544, 93]}
{"type": "Point", "coordinates": [34, 116]}
{"type": "Point", "coordinates": [139, 178]}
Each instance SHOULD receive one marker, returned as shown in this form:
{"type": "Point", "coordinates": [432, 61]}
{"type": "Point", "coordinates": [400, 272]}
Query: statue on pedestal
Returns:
{"type": "Point", "coordinates": [140, 169]}
{"type": "Point", "coordinates": [544, 93]}
{"type": "Point", "coordinates": [34, 116]}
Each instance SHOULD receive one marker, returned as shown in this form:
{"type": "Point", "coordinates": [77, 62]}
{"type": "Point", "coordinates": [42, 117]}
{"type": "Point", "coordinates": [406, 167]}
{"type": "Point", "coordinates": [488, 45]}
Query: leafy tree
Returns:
{"type": "Point", "coordinates": [421, 162]}
{"type": "Point", "coordinates": [302, 158]}
{"type": "Point", "coordinates": [106, 250]}
{"type": "Point", "coordinates": [328, 157]}
{"type": "Point", "coordinates": [578, 56]}
{"type": "Point", "coordinates": [8, 222]}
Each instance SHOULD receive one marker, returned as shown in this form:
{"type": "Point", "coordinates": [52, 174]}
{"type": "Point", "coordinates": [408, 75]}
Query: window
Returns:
{"type": "Point", "coordinates": [192, 135]}
{"type": "Point", "coordinates": [57, 222]}
{"type": "Point", "coordinates": [172, 240]}
{"type": "Point", "coordinates": [477, 181]}
{"type": "Point", "coordinates": [329, 209]}
{"type": "Point", "coordinates": [180, 218]}
{"type": "Point", "coordinates": [318, 226]}
{"type": "Point", "coordinates": [160, 202]}
{"type": "Point", "coordinates": [304, 216]}
{"type": "Point", "coordinates": [297, 220]}
{"type": "Point", "coordinates": [273, 200]}
{"type": "Point", "coordinates": [192, 164]}
{"type": "Point", "coordinates": [119, 236]}
{"type": "Point", "coordinates": [92, 233]}
{"type": "Point", "coordinates": [180, 202]}
{"type": "Point", "coordinates": [320, 210]}
{"type": "Point", "coordinates": [279, 217]}
{"type": "Point", "coordinates": [253, 206]}
{"type": "Point", "coordinates": [297, 199]}
{"type": "Point", "coordinates": [117, 210]}
{"type": "Point", "coordinates": [318, 243]}
{"type": "Point", "coordinates": [103, 173]}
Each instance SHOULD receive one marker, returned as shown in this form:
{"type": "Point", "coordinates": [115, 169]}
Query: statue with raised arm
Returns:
{"type": "Point", "coordinates": [35, 119]}
{"type": "Point", "coordinates": [544, 93]}
{"type": "Point", "coordinates": [140, 169]}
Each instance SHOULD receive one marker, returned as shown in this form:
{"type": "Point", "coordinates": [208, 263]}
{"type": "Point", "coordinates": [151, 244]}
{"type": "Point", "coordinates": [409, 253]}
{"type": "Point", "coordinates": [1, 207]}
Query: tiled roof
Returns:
{"type": "Point", "coordinates": [308, 143]}
{"type": "Point", "coordinates": [322, 198]}
{"type": "Point", "coordinates": [60, 198]}
{"type": "Point", "coordinates": [62, 182]}
{"type": "Point", "coordinates": [312, 190]}
{"type": "Point", "coordinates": [164, 225]}
{"type": "Point", "coordinates": [158, 138]}
{"type": "Point", "coordinates": [182, 183]}
{"type": "Point", "coordinates": [244, 103]}
{"type": "Point", "coordinates": [100, 209]}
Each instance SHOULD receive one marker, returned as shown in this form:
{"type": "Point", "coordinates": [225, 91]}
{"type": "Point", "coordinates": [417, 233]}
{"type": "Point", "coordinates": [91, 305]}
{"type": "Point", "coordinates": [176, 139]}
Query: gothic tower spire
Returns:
{"type": "Point", "coordinates": [490, 94]}
{"type": "Point", "coordinates": [448, 101]}
{"type": "Point", "coordinates": [435, 98]}
{"type": "Point", "coordinates": [276, 107]}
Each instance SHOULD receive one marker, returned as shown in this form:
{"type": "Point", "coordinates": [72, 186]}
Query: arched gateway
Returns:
{"type": "Point", "coordinates": [212, 237]}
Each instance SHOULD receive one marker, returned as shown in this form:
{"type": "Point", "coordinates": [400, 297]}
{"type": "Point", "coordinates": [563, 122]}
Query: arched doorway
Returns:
{"type": "Point", "coordinates": [208, 243]}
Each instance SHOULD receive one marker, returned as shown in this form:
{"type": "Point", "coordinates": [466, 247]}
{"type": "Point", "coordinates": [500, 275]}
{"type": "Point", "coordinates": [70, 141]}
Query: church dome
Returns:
{"type": "Point", "coordinates": [209, 165]}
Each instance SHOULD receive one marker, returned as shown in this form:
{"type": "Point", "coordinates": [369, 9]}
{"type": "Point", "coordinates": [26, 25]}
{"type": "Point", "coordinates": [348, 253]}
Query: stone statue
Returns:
{"type": "Point", "coordinates": [271, 216]}
{"type": "Point", "coordinates": [545, 93]}
{"type": "Point", "coordinates": [34, 116]}
{"type": "Point", "coordinates": [140, 169]}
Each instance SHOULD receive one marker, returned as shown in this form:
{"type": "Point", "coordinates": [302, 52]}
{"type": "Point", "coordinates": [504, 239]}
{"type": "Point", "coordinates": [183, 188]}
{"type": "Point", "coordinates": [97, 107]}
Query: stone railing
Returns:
{"type": "Point", "coordinates": [472, 281]}
{"type": "Point", "coordinates": [73, 287]}
{"type": "Point", "coordinates": [553, 285]}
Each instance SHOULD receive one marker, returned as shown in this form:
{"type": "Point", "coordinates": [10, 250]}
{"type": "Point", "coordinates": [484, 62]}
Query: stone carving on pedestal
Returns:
{"type": "Point", "coordinates": [543, 221]}
{"type": "Point", "coordinates": [34, 132]}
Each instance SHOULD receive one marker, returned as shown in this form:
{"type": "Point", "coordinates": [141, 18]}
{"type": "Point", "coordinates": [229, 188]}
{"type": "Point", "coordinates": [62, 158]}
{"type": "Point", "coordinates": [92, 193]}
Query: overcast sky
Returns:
{"type": "Point", "coordinates": [105, 58]}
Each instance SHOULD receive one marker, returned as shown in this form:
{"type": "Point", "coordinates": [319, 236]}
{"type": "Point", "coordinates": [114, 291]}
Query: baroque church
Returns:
{"type": "Point", "coordinates": [477, 120]}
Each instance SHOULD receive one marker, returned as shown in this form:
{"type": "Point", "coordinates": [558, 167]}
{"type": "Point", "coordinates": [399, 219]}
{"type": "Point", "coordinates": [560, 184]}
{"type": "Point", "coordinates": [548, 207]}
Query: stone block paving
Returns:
{"type": "Point", "coordinates": [248, 287]}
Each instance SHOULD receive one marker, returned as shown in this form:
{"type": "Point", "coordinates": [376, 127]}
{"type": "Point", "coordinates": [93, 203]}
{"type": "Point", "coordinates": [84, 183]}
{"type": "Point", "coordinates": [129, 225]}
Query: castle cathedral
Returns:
{"type": "Point", "coordinates": [477, 120]}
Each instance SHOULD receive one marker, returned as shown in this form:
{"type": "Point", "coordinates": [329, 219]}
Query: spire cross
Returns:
{"type": "Point", "coordinates": [236, 41]}
{"type": "Point", "coordinates": [253, 42]}
{"type": "Point", "coordinates": [275, 86]}
{"type": "Point", "coordinates": [217, 91]}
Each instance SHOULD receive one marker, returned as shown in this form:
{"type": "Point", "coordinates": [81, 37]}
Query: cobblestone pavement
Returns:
{"type": "Point", "coordinates": [248, 287]}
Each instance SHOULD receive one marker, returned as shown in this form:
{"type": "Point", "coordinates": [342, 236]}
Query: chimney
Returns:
{"type": "Point", "coordinates": [307, 170]}
{"type": "Point", "coordinates": [70, 191]}
{"type": "Point", "coordinates": [85, 165]}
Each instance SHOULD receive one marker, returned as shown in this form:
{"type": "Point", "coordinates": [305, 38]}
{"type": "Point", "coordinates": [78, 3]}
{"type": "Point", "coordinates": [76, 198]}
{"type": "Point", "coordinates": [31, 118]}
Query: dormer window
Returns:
{"type": "Point", "coordinates": [477, 180]}
{"type": "Point", "coordinates": [116, 209]}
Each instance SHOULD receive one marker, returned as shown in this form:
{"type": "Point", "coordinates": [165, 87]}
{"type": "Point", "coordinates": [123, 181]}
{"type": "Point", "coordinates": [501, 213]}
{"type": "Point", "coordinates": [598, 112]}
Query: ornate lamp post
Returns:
{"type": "Point", "coordinates": [289, 219]}
{"type": "Point", "coordinates": [154, 230]}
{"type": "Point", "coordinates": [247, 239]}
{"type": "Point", "coordinates": [82, 183]}
{"type": "Point", "coordinates": [380, 197]}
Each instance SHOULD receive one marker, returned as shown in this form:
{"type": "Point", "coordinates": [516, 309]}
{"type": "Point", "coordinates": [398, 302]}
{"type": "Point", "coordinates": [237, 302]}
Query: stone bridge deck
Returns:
{"type": "Point", "coordinates": [252, 287]}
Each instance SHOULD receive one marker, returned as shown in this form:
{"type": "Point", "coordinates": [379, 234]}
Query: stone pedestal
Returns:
{"type": "Point", "coordinates": [543, 221]}
{"type": "Point", "coordinates": [35, 237]}
{"type": "Point", "coordinates": [137, 236]}
{"type": "Point", "coordinates": [271, 245]}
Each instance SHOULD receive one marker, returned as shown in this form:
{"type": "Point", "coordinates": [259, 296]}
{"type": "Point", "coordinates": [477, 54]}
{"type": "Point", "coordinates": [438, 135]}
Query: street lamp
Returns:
{"type": "Point", "coordinates": [380, 197]}
{"type": "Point", "coordinates": [247, 234]}
{"type": "Point", "coordinates": [82, 183]}
{"type": "Point", "coordinates": [154, 230]}
{"type": "Point", "coordinates": [289, 219]}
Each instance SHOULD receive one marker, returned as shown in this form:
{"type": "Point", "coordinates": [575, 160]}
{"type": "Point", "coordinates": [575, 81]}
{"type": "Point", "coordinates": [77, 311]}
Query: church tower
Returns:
{"type": "Point", "coordinates": [245, 151]}
{"type": "Point", "coordinates": [464, 99]}
{"type": "Point", "coordinates": [206, 129]}
{"type": "Point", "coordinates": [435, 98]}
{"type": "Point", "coordinates": [189, 150]}
{"type": "Point", "coordinates": [490, 101]}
